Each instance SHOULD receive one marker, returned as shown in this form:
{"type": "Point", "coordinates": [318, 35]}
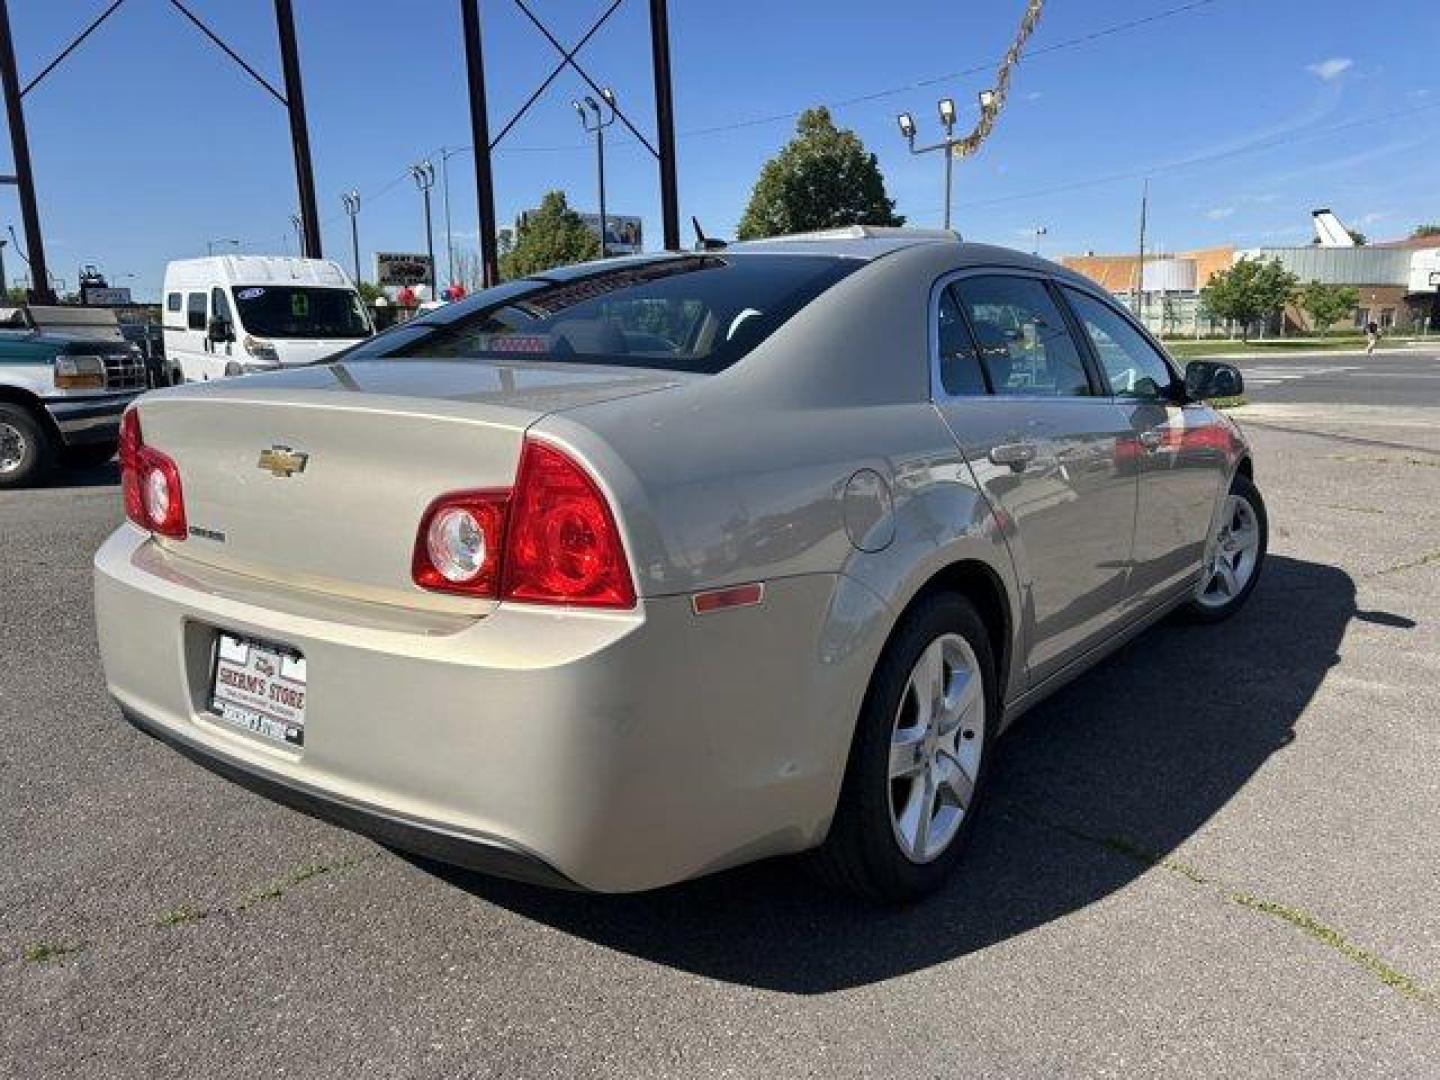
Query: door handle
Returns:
{"type": "Point", "coordinates": [1151, 440]}
{"type": "Point", "coordinates": [1016, 455]}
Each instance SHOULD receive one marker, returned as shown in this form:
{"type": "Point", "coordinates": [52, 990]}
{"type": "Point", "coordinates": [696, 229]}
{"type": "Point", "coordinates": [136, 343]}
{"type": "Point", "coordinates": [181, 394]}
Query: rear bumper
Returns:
{"type": "Point", "coordinates": [487, 854]}
{"type": "Point", "coordinates": [89, 419]}
{"type": "Point", "coordinates": [611, 752]}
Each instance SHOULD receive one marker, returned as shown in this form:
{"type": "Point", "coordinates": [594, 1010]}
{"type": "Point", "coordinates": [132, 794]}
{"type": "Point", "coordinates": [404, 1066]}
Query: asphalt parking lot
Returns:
{"type": "Point", "coordinates": [1217, 854]}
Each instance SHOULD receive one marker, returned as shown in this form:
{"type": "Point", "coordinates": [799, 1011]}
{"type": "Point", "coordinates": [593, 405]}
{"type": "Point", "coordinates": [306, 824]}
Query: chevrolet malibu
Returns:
{"type": "Point", "coordinates": [627, 572]}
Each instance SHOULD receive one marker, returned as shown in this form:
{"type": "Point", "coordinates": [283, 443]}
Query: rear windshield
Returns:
{"type": "Point", "coordinates": [697, 313]}
{"type": "Point", "coordinates": [297, 311]}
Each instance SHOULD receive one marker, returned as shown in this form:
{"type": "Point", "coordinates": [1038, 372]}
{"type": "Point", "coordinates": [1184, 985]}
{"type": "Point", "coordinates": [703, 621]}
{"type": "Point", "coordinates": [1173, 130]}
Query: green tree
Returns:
{"type": "Point", "coordinates": [554, 235]}
{"type": "Point", "coordinates": [369, 291]}
{"type": "Point", "coordinates": [822, 178]}
{"type": "Point", "coordinates": [1250, 289]}
{"type": "Point", "coordinates": [1422, 232]}
{"type": "Point", "coordinates": [1327, 304]}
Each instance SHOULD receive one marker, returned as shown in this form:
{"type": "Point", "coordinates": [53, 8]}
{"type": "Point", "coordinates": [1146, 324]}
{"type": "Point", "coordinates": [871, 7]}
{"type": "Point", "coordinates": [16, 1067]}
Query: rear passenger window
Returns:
{"type": "Point", "coordinates": [172, 302]}
{"type": "Point", "coordinates": [1024, 343]}
{"type": "Point", "coordinates": [195, 311]}
{"type": "Point", "coordinates": [960, 372]}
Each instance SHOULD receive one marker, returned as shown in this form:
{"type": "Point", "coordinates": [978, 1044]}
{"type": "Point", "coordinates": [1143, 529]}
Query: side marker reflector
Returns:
{"type": "Point", "coordinates": [735, 596]}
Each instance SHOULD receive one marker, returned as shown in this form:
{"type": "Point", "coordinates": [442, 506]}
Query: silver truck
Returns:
{"type": "Point", "coordinates": [66, 375]}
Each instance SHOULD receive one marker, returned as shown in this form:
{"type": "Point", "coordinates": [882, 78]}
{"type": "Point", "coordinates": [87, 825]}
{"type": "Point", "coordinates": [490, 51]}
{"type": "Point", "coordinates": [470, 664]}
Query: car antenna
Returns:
{"type": "Point", "coordinates": [703, 242]}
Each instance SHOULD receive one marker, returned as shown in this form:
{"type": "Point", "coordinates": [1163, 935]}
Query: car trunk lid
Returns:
{"type": "Point", "coordinates": [318, 478]}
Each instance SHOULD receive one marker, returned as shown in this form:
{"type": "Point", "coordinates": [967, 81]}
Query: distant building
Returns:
{"type": "Point", "coordinates": [1398, 283]}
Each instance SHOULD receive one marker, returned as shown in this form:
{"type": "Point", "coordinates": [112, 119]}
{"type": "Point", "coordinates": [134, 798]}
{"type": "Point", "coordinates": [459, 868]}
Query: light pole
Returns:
{"type": "Point", "coordinates": [1039, 231]}
{"type": "Point", "coordinates": [210, 245]}
{"type": "Point", "coordinates": [351, 199]}
{"type": "Point", "coordinates": [446, 153]}
{"type": "Point", "coordinates": [946, 109]}
{"type": "Point", "coordinates": [424, 176]}
{"type": "Point", "coordinates": [592, 118]}
{"type": "Point", "coordinates": [299, 223]}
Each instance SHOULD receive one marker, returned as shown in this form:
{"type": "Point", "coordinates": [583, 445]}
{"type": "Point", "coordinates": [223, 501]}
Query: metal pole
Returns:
{"type": "Point", "coordinates": [600, 161]}
{"type": "Point", "coordinates": [445, 195]}
{"type": "Point", "coordinates": [40, 291]}
{"type": "Point", "coordinates": [299, 130]}
{"type": "Point", "coordinates": [1140, 264]}
{"type": "Point", "coordinates": [430, 245]}
{"type": "Point", "coordinates": [480, 139]}
{"type": "Point", "coordinates": [355, 244]}
{"type": "Point", "coordinates": [665, 123]}
{"type": "Point", "coordinates": [949, 172]}
{"type": "Point", "coordinates": [4, 289]}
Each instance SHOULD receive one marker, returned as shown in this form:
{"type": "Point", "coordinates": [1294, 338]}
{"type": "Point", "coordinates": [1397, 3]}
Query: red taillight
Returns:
{"type": "Point", "coordinates": [150, 482]}
{"type": "Point", "coordinates": [552, 540]}
{"type": "Point", "coordinates": [460, 545]}
{"type": "Point", "coordinates": [564, 546]}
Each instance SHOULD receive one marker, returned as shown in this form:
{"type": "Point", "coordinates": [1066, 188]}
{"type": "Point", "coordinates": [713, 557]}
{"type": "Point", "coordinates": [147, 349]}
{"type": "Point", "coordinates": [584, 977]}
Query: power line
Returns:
{"type": "Point", "coordinates": [1203, 159]}
{"type": "Point", "coordinates": [893, 91]}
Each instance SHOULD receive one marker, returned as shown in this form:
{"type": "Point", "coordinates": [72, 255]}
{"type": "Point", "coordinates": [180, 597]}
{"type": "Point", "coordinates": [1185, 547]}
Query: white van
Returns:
{"type": "Point", "coordinates": [236, 314]}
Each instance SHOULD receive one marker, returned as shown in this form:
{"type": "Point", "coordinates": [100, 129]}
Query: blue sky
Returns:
{"type": "Point", "coordinates": [1244, 114]}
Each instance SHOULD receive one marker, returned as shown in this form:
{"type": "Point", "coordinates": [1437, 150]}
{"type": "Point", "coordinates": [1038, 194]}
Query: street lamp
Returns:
{"type": "Point", "coordinates": [210, 245]}
{"type": "Point", "coordinates": [424, 176]}
{"type": "Point", "coordinates": [1039, 231]}
{"type": "Point", "coordinates": [446, 153]}
{"type": "Point", "coordinates": [592, 118]}
{"type": "Point", "coordinates": [351, 199]}
{"type": "Point", "coordinates": [299, 223]}
{"type": "Point", "coordinates": [946, 109]}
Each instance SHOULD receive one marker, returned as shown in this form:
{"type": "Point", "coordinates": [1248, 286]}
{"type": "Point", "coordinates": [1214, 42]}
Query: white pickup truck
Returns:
{"type": "Point", "coordinates": [61, 393]}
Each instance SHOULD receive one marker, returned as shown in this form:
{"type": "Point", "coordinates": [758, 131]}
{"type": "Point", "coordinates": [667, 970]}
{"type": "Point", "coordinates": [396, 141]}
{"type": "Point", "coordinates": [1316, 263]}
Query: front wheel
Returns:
{"type": "Point", "coordinates": [1235, 554]}
{"type": "Point", "coordinates": [26, 453]}
{"type": "Point", "coordinates": [919, 758]}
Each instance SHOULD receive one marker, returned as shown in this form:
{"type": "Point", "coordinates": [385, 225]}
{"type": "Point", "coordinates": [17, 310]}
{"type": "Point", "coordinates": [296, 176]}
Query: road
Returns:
{"type": "Point", "coordinates": [1215, 855]}
{"type": "Point", "coordinates": [1399, 376]}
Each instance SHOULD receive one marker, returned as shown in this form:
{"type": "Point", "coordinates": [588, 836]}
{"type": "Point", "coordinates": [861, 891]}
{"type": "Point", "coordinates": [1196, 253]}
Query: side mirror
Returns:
{"type": "Point", "coordinates": [1206, 380]}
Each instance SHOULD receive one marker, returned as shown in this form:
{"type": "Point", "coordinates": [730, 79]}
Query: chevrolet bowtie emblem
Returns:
{"type": "Point", "coordinates": [282, 461]}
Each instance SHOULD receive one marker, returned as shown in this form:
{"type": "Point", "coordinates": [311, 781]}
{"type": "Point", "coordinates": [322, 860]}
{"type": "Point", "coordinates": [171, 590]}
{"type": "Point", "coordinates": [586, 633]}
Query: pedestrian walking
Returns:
{"type": "Point", "coordinates": [1372, 336]}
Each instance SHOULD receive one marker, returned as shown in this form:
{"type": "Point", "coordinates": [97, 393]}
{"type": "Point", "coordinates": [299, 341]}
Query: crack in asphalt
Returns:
{"type": "Point", "coordinates": [43, 952]}
{"type": "Point", "coordinates": [1424, 560]}
{"type": "Point", "coordinates": [1358, 440]}
{"type": "Point", "coordinates": [1298, 918]}
{"type": "Point", "coordinates": [1317, 930]}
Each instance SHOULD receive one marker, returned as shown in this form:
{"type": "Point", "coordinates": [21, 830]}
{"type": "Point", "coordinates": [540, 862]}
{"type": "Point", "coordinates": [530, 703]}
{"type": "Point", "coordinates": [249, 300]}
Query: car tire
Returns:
{"type": "Point", "coordinates": [1243, 537]}
{"type": "Point", "coordinates": [26, 450]}
{"type": "Point", "coordinates": [870, 851]}
{"type": "Point", "coordinates": [89, 456]}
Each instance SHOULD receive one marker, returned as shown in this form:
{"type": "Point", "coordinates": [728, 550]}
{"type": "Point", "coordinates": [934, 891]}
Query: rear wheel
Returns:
{"type": "Point", "coordinates": [26, 453]}
{"type": "Point", "coordinates": [919, 758]}
{"type": "Point", "coordinates": [1236, 554]}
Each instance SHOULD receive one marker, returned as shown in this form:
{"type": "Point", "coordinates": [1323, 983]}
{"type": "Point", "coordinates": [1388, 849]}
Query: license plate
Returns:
{"type": "Point", "coordinates": [260, 687]}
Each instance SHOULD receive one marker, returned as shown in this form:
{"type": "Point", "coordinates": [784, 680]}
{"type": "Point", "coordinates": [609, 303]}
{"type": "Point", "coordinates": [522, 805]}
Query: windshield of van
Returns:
{"type": "Point", "coordinates": [298, 311]}
{"type": "Point", "coordinates": [697, 313]}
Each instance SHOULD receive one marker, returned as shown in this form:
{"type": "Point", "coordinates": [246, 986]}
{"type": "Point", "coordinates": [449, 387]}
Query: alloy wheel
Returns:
{"type": "Point", "coordinates": [12, 447]}
{"type": "Point", "coordinates": [1234, 554]}
{"type": "Point", "coordinates": [935, 748]}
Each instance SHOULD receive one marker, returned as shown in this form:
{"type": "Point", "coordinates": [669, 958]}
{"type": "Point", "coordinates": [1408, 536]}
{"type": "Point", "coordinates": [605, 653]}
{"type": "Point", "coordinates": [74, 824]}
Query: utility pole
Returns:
{"type": "Point", "coordinates": [40, 291]}
{"type": "Point", "coordinates": [299, 130]}
{"type": "Point", "coordinates": [4, 288]}
{"type": "Point", "coordinates": [351, 199]}
{"type": "Point", "coordinates": [592, 118]}
{"type": "Point", "coordinates": [480, 140]}
{"type": "Point", "coordinates": [665, 123]}
{"type": "Point", "coordinates": [424, 176]}
{"type": "Point", "coordinates": [1140, 262]}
